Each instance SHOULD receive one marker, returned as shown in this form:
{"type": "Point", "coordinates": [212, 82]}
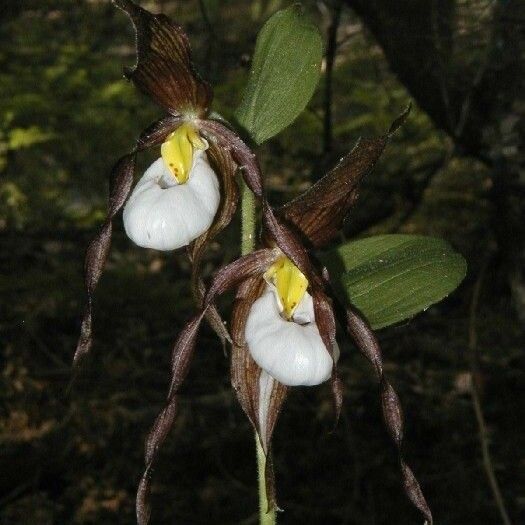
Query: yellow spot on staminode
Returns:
{"type": "Point", "coordinates": [177, 151]}
{"type": "Point", "coordinates": [290, 282]}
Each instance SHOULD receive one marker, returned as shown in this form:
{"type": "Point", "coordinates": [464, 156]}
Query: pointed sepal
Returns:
{"type": "Point", "coordinates": [319, 213]}
{"type": "Point", "coordinates": [164, 70]}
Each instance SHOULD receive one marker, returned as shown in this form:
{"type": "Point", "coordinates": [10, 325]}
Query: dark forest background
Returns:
{"type": "Point", "coordinates": [455, 170]}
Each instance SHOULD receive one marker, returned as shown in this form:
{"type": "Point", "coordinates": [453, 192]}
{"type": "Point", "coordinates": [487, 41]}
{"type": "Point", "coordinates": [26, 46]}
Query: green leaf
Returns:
{"type": "Point", "coordinates": [390, 278]}
{"type": "Point", "coordinates": [285, 70]}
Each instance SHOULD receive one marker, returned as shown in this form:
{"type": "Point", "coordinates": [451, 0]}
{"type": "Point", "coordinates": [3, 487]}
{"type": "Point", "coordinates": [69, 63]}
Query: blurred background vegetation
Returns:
{"type": "Point", "coordinates": [455, 170]}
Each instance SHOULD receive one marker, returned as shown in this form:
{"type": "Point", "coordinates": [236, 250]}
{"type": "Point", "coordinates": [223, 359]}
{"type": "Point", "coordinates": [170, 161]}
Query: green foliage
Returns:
{"type": "Point", "coordinates": [390, 278]}
{"type": "Point", "coordinates": [285, 70]}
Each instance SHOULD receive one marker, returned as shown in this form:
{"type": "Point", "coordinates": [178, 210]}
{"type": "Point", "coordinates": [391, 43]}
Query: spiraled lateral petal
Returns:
{"type": "Point", "coordinates": [183, 350]}
{"type": "Point", "coordinates": [164, 70]}
{"type": "Point", "coordinates": [319, 213]}
{"type": "Point", "coordinates": [223, 165]}
{"type": "Point", "coordinates": [98, 249]}
{"type": "Point", "coordinates": [367, 343]}
{"type": "Point", "coordinates": [231, 275]}
{"type": "Point", "coordinates": [241, 153]}
{"type": "Point", "coordinates": [120, 182]}
{"type": "Point", "coordinates": [325, 319]}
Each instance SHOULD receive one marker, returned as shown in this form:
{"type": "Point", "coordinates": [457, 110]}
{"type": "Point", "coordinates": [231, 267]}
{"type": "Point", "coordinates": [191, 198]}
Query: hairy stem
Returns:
{"type": "Point", "coordinates": [248, 225]}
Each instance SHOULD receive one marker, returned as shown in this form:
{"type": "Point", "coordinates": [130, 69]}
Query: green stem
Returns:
{"type": "Point", "coordinates": [247, 220]}
{"type": "Point", "coordinates": [248, 229]}
{"type": "Point", "coordinates": [265, 517]}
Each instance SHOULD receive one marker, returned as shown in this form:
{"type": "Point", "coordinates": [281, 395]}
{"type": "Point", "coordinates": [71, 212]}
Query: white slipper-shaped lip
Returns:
{"type": "Point", "coordinates": [165, 215]}
{"type": "Point", "coordinates": [292, 352]}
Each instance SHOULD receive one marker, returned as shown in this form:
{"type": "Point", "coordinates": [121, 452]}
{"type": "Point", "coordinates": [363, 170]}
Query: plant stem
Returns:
{"type": "Point", "coordinates": [248, 228]}
{"type": "Point", "coordinates": [247, 220]}
{"type": "Point", "coordinates": [330, 58]}
{"type": "Point", "coordinates": [476, 399]}
{"type": "Point", "coordinates": [265, 517]}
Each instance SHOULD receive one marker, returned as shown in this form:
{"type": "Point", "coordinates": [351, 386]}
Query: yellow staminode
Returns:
{"type": "Point", "coordinates": [290, 282]}
{"type": "Point", "coordinates": [177, 151]}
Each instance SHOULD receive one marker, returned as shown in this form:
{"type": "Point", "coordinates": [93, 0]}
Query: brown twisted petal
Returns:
{"type": "Point", "coordinates": [226, 278]}
{"type": "Point", "coordinates": [223, 165]}
{"type": "Point", "coordinates": [181, 359]}
{"type": "Point", "coordinates": [319, 213]}
{"type": "Point", "coordinates": [367, 343]}
{"type": "Point", "coordinates": [121, 179]}
{"type": "Point", "coordinates": [231, 275]}
{"type": "Point", "coordinates": [246, 376]}
{"type": "Point", "coordinates": [156, 133]}
{"type": "Point", "coordinates": [244, 371]}
{"type": "Point", "coordinates": [164, 70]}
{"type": "Point", "coordinates": [325, 319]}
{"type": "Point", "coordinates": [98, 249]}
{"type": "Point", "coordinates": [246, 160]}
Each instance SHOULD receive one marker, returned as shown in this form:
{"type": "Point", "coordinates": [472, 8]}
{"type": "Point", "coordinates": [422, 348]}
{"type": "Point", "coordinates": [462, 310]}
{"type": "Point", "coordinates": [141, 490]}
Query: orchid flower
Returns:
{"type": "Point", "coordinates": [178, 196]}
{"type": "Point", "coordinates": [283, 322]}
{"type": "Point", "coordinates": [283, 326]}
{"type": "Point", "coordinates": [281, 332]}
{"type": "Point", "coordinates": [189, 194]}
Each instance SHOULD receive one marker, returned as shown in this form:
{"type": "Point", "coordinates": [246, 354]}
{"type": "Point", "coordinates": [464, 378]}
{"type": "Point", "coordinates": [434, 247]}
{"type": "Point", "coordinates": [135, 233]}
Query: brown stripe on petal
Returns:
{"type": "Point", "coordinates": [414, 492]}
{"type": "Point", "coordinates": [269, 407]}
{"type": "Point", "coordinates": [241, 153]}
{"type": "Point", "coordinates": [367, 343]}
{"type": "Point", "coordinates": [164, 70]}
{"type": "Point", "coordinates": [98, 249]}
{"type": "Point", "coordinates": [142, 505]}
{"type": "Point", "coordinates": [157, 132]}
{"type": "Point", "coordinates": [183, 350]}
{"type": "Point", "coordinates": [212, 315]}
{"type": "Point", "coordinates": [289, 243]}
{"type": "Point", "coordinates": [261, 398]}
{"type": "Point", "coordinates": [261, 407]}
{"type": "Point", "coordinates": [222, 163]}
{"type": "Point", "coordinates": [247, 293]}
{"type": "Point", "coordinates": [244, 372]}
{"type": "Point", "coordinates": [319, 213]}
{"type": "Point", "coordinates": [156, 437]}
{"type": "Point", "coordinates": [120, 182]}
{"type": "Point", "coordinates": [325, 320]}
{"type": "Point", "coordinates": [231, 275]}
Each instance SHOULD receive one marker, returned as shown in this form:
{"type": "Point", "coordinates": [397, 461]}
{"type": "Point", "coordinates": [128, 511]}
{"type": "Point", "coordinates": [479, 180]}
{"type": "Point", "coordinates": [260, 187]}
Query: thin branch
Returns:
{"type": "Point", "coordinates": [478, 77]}
{"type": "Point", "coordinates": [436, 40]}
{"type": "Point", "coordinates": [476, 398]}
{"type": "Point", "coordinates": [331, 50]}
